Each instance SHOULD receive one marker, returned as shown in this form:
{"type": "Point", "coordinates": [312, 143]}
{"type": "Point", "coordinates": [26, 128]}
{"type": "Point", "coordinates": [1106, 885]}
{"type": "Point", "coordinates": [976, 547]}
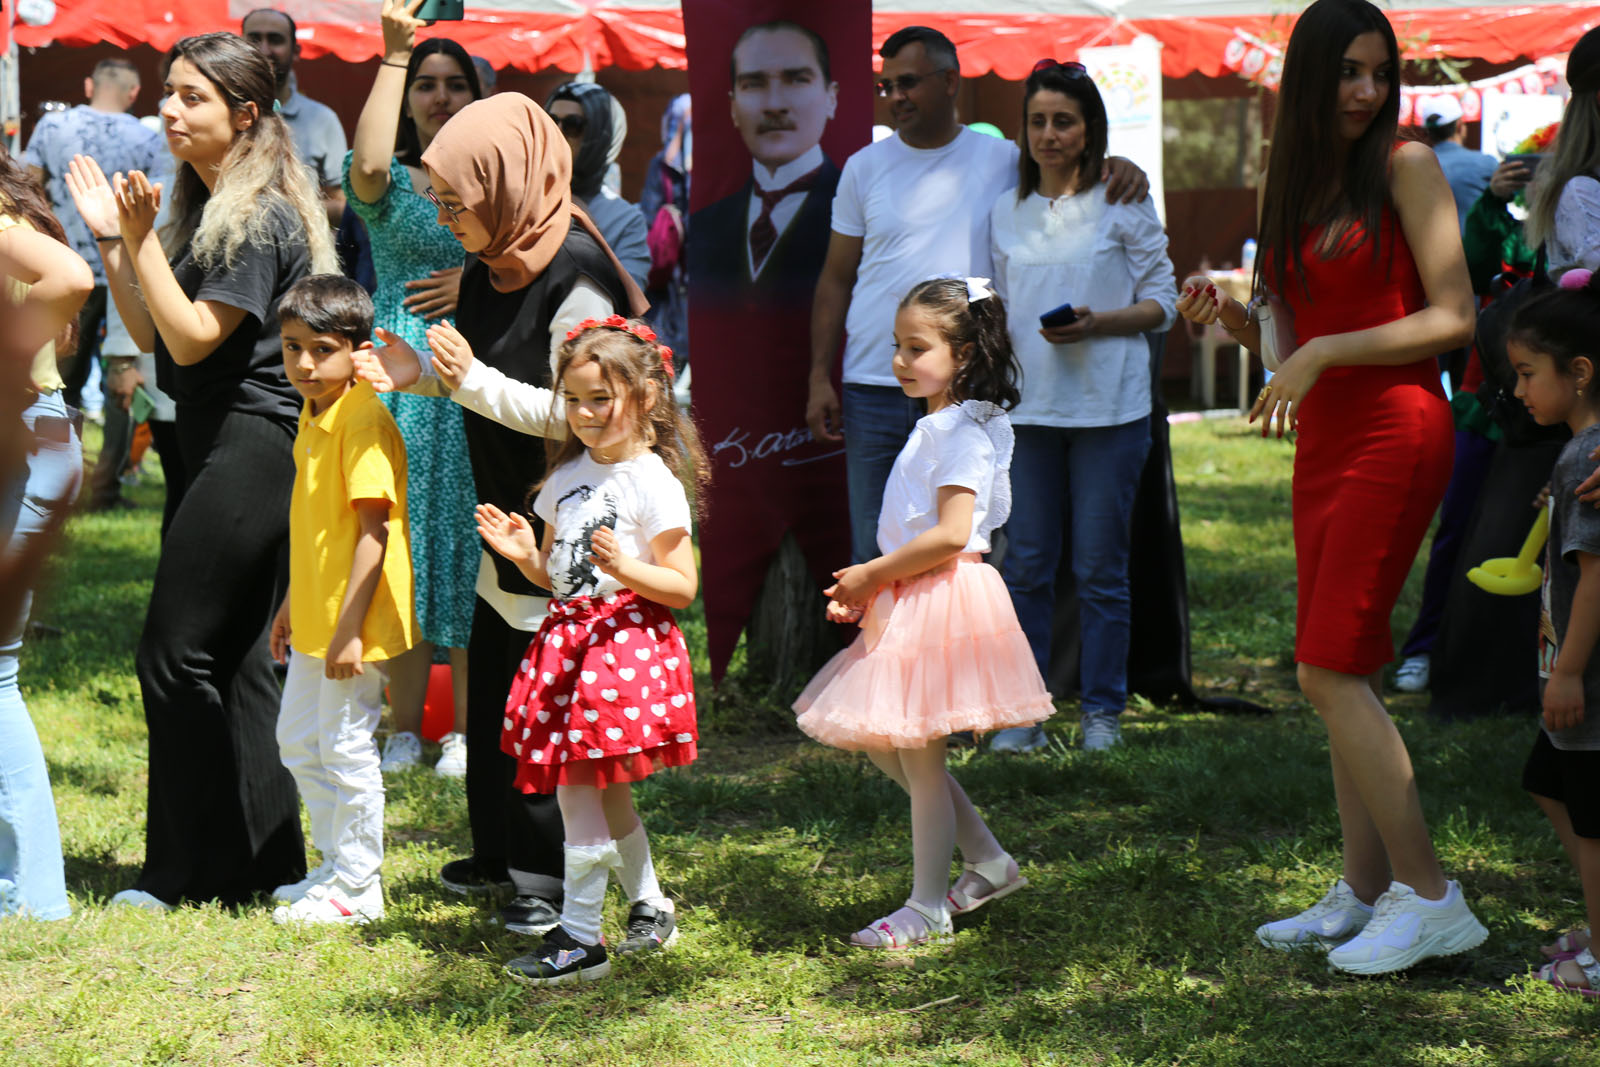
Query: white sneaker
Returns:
{"type": "Point", "coordinates": [1101, 733]}
{"type": "Point", "coordinates": [1412, 674]}
{"type": "Point", "coordinates": [403, 750]}
{"type": "Point", "coordinates": [1406, 929]}
{"type": "Point", "coordinates": [138, 898]}
{"type": "Point", "coordinates": [1337, 917]}
{"type": "Point", "coordinates": [453, 760]}
{"type": "Point", "coordinates": [293, 891]}
{"type": "Point", "coordinates": [332, 902]}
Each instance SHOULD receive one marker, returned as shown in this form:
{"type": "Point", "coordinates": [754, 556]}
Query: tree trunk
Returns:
{"type": "Point", "coordinates": [788, 638]}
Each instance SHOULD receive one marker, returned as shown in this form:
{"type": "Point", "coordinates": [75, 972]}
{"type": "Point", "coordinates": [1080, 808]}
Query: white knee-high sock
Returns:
{"type": "Point", "coordinates": [584, 888]}
{"type": "Point", "coordinates": [637, 872]}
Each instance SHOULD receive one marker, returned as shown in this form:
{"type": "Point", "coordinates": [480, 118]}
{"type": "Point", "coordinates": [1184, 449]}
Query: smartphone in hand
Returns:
{"type": "Point", "coordinates": [1061, 316]}
{"type": "Point", "coordinates": [442, 10]}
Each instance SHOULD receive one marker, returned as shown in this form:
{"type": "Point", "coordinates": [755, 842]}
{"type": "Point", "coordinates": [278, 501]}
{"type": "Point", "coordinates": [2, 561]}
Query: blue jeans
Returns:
{"type": "Point", "coordinates": [32, 880]}
{"type": "Point", "coordinates": [877, 421]}
{"type": "Point", "coordinates": [1074, 489]}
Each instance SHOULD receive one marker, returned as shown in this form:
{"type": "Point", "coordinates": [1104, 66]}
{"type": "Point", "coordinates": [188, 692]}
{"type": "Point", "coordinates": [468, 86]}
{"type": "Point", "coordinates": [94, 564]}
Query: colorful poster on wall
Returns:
{"type": "Point", "coordinates": [782, 96]}
{"type": "Point", "coordinates": [1129, 79]}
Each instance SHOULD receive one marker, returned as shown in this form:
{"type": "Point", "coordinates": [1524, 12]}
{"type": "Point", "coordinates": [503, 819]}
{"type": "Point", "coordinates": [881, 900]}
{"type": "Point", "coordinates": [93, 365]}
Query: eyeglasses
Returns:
{"type": "Point", "coordinates": [455, 213]}
{"type": "Point", "coordinates": [572, 125]}
{"type": "Point", "coordinates": [906, 82]}
{"type": "Point", "coordinates": [1071, 70]}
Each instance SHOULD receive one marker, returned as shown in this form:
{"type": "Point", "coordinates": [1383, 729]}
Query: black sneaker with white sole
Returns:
{"type": "Point", "coordinates": [530, 915]}
{"type": "Point", "coordinates": [649, 928]}
{"type": "Point", "coordinates": [559, 960]}
{"type": "Point", "coordinates": [471, 878]}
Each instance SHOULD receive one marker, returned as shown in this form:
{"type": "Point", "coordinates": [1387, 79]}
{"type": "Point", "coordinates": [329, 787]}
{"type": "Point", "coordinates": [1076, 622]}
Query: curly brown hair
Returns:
{"type": "Point", "coordinates": [637, 367]}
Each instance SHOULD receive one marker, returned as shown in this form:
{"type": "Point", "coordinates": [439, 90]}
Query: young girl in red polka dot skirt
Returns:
{"type": "Point", "coordinates": [605, 695]}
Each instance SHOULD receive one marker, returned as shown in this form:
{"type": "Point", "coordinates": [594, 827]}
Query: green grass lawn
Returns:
{"type": "Point", "coordinates": [1150, 866]}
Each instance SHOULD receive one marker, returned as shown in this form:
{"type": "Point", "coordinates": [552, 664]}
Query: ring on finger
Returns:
{"type": "Point", "coordinates": [1266, 391]}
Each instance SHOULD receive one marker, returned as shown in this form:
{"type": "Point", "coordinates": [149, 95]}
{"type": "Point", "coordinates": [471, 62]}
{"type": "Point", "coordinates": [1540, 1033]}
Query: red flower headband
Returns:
{"type": "Point", "coordinates": [617, 322]}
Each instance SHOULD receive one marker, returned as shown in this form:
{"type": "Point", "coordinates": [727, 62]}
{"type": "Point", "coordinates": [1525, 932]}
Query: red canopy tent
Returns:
{"type": "Point", "coordinates": [1005, 37]}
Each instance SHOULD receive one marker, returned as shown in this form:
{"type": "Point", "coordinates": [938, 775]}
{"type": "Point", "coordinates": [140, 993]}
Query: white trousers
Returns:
{"type": "Point", "coordinates": [325, 740]}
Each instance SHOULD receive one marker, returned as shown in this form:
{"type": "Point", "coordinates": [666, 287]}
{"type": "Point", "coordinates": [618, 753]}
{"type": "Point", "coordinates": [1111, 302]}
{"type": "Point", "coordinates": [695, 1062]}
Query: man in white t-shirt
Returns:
{"type": "Point", "coordinates": [318, 134]}
{"type": "Point", "coordinates": [912, 206]}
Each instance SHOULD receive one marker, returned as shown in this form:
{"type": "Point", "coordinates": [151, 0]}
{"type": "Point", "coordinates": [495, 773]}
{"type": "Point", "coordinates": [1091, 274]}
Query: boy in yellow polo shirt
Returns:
{"type": "Point", "coordinates": [349, 603]}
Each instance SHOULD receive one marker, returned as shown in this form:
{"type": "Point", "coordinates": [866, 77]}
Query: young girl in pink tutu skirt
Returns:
{"type": "Point", "coordinates": [940, 650]}
{"type": "Point", "coordinates": [605, 695]}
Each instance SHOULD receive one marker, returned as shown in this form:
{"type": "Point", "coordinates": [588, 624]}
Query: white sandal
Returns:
{"type": "Point", "coordinates": [890, 932]}
{"type": "Point", "coordinates": [993, 872]}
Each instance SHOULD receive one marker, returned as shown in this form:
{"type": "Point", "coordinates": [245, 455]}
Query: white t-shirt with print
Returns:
{"type": "Point", "coordinates": [967, 445]}
{"type": "Point", "coordinates": [920, 212]}
{"type": "Point", "coordinates": [639, 499]}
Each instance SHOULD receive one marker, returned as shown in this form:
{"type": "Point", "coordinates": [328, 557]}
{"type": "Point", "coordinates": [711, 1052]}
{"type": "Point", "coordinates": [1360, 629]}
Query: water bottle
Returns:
{"type": "Point", "coordinates": [1247, 257]}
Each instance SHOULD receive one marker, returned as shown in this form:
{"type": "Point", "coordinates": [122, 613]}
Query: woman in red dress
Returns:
{"type": "Point", "coordinates": [1359, 240]}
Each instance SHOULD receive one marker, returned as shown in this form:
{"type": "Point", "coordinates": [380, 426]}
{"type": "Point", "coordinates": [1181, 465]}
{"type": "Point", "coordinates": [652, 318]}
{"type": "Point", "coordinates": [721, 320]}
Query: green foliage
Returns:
{"type": "Point", "coordinates": [1149, 866]}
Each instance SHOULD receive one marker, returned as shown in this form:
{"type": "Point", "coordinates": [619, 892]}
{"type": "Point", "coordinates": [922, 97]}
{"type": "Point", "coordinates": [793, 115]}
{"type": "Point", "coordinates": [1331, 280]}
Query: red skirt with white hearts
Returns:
{"type": "Point", "coordinates": [605, 694]}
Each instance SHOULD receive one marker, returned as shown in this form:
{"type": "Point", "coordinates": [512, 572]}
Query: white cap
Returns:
{"type": "Point", "coordinates": [1439, 111]}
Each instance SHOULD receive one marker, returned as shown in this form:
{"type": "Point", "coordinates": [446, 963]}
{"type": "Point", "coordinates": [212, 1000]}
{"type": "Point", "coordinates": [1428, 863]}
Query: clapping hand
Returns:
{"type": "Point", "coordinates": [394, 365]}
{"type": "Point", "coordinates": [94, 197]}
{"type": "Point", "coordinates": [509, 535]}
{"type": "Point", "coordinates": [138, 203]}
{"type": "Point", "coordinates": [452, 356]}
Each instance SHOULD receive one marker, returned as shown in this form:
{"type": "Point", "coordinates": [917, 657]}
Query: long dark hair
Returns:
{"type": "Point", "coordinates": [407, 145]}
{"type": "Point", "coordinates": [1301, 188]}
{"type": "Point", "coordinates": [991, 372]}
{"type": "Point", "coordinates": [1563, 324]}
{"type": "Point", "coordinates": [1076, 84]}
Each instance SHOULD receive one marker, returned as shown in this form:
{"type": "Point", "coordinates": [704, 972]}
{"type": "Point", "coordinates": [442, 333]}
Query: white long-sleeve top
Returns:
{"type": "Point", "coordinates": [1083, 251]}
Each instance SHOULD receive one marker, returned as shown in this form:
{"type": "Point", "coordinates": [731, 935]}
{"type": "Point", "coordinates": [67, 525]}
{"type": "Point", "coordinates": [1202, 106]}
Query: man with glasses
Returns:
{"type": "Point", "coordinates": [909, 207]}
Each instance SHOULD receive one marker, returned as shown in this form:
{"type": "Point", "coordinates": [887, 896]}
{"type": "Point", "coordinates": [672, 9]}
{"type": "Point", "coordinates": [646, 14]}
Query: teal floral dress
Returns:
{"type": "Point", "coordinates": [407, 244]}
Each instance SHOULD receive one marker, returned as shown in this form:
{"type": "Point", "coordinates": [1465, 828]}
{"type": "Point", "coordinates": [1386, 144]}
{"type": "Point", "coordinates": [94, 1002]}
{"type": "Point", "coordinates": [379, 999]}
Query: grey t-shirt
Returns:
{"type": "Point", "coordinates": [1574, 528]}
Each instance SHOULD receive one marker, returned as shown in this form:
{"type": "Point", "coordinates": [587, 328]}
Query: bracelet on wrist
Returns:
{"type": "Point", "coordinates": [388, 63]}
{"type": "Point", "coordinates": [108, 240]}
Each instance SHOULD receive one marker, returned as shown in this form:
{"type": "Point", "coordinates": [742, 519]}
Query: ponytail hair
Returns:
{"type": "Point", "coordinates": [261, 170]}
{"type": "Point", "coordinates": [1563, 323]}
{"type": "Point", "coordinates": [971, 314]}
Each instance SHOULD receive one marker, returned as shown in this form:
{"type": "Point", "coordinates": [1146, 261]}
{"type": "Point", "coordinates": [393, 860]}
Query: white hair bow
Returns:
{"type": "Point", "coordinates": [978, 289]}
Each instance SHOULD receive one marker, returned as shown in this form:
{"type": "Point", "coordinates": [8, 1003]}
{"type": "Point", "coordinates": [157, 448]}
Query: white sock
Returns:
{"type": "Point", "coordinates": [584, 888]}
{"type": "Point", "coordinates": [637, 872]}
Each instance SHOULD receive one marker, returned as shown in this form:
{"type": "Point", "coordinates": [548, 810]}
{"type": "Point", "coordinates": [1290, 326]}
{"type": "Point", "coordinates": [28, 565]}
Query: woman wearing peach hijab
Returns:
{"type": "Point", "coordinates": [501, 174]}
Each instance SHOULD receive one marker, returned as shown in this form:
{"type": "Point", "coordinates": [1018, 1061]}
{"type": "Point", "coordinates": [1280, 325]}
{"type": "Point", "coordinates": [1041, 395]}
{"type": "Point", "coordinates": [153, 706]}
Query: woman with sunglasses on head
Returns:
{"type": "Point", "coordinates": [247, 223]}
{"type": "Point", "coordinates": [1083, 426]}
{"type": "Point", "coordinates": [499, 173]}
{"type": "Point", "coordinates": [1359, 240]}
{"type": "Point", "coordinates": [416, 91]}
{"type": "Point", "coordinates": [595, 126]}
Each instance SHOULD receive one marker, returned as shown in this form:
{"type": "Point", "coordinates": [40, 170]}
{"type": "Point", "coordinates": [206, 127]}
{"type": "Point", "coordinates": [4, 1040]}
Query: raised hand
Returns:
{"type": "Point", "coordinates": [452, 356]}
{"type": "Point", "coordinates": [92, 194]}
{"type": "Point", "coordinates": [392, 365]}
{"type": "Point", "coordinates": [400, 26]}
{"type": "Point", "coordinates": [509, 535]}
{"type": "Point", "coordinates": [138, 202]}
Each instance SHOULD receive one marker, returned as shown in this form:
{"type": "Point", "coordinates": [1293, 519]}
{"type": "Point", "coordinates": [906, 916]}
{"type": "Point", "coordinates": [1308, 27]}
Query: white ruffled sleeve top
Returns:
{"type": "Point", "coordinates": [967, 445]}
{"type": "Point", "coordinates": [1082, 251]}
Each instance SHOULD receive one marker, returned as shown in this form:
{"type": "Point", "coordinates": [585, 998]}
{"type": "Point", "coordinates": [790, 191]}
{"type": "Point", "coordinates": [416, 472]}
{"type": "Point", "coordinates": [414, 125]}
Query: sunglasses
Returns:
{"type": "Point", "coordinates": [455, 213]}
{"type": "Point", "coordinates": [1071, 70]}
{"type": "Point", "coordinates": [906, 82]}
{"type": "Point", "coordinates": [572, 125]}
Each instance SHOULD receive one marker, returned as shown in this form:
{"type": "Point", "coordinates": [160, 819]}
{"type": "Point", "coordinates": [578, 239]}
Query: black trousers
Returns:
{"type": "Point", "coordinates": [224, 818]}
{"type": "Point", "coordinates": [508, 827]}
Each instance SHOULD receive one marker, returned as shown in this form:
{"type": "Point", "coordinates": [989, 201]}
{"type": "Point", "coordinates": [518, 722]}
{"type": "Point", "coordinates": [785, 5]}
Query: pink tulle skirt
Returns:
{"type": "Point", "coordinates": [938, 653]}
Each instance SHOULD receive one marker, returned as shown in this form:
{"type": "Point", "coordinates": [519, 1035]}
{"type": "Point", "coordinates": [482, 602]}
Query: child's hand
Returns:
{"type": "Point", "coordinates": [278, 639]}
{"type": "Point", "coordinates": [606, 552]}
{"type": "Point", "coordinates": [1563, 700]}
{"type": "Point", "coordinates": [837, 612]}
{"type": "Point", "coordinates": [509, 535]}
{"type": "Point", "coordinates": [854, 587]}
{"type": "Point", "coordinates": [452, 356]}
{"type": "Point", "coordinates": [344, 658]}
{"type": "Point", "coordinates": [395, 365]}
{"type": "Point", "coordinates": [1542, 500]}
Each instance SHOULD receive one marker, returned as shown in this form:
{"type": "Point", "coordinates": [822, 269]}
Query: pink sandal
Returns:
{"type": "Point", "coordinates": [1566, 946]}
{"type": "Point", "coordinates": [1585, 960]}
{"type": "Point", "coordinates": [999, 874]}
{"type": "Point", "coordinates": [895, 931]}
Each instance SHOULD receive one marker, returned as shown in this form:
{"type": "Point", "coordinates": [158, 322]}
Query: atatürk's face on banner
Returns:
{"type": "Point", "coordinates": [781, 101]}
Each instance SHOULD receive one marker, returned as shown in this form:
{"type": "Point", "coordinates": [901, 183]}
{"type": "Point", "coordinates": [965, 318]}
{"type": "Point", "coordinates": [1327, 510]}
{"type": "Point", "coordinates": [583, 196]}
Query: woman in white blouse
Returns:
{"type": "Point", "coordinates": [1083, 425]}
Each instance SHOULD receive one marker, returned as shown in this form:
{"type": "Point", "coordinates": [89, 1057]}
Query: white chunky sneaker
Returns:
{"type": "Point", "coordinates": [1406, 929]}
{"type": "Point", "coordinates": [453, 760]}
{"type": "Point", "coordinates": [1412, 674]}
{"type": "Point", "coordinates": [402, 751]}
{"type": "Point", "coordinates": [1337, 917]}
{"type": "Point", "coordinates": [333, 902]}
{"type": "Point", "coordinates": [288, 894]}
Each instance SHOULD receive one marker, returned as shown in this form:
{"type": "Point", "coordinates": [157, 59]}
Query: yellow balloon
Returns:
{"type": "Point", "coordinates": [1515, 575]}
